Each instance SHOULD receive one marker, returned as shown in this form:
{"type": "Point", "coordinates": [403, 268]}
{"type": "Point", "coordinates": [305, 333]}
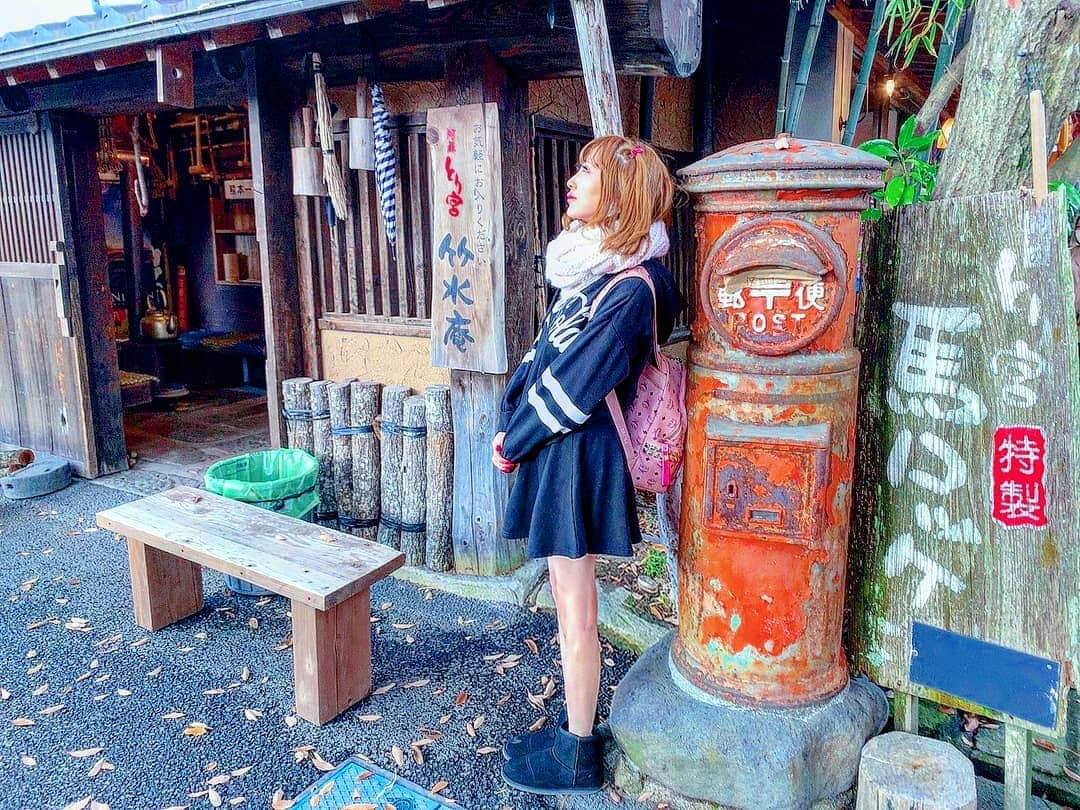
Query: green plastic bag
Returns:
{"type": "Point", "coordinates": [282, 481]}
{"type": "Point", "coordinates": [279, 480]}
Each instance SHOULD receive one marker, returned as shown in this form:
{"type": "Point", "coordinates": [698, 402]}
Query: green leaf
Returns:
{"type": "Point", "coordinates": [881, 148]}
{"type": "Point", "coordinates": [909, 195]}
{"type": "Point", "coordinates": [921, 142]}
{"type": "Point", "coordinates": [871, 214]}
{"type": "Point", "coordinates": [907, 132]}
{"type": "Point", "coordinates": [894, 190]}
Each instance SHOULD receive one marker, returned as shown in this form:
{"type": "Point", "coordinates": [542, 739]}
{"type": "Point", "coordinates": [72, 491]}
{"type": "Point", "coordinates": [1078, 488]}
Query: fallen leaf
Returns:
{"type": "Point", "coordinates": [416, 684]}
{"type": "Point", "coordinates": [245, 674]}
{"type": "Point", "coordinates": [85, 752]}
{"type": "Point", "coordinates": [279, 802]}
{"type": "Point", "coordinates": [172, 716]}
{"type": "Point", "coordinates": [59, 707]}
{"type": "Point", "coordinates": [82, 804]}
{"type": "Point", "coordinates": [320, 763]}
{"type": "Point", "coordinates": [123, 692]}
{"type": "Point", "coordinates": [154, 672]}
{"type": "Point", "coordinates": [1071, 773]}
{"type": "Point", "coordinates": [214, 797]}
{"type": "Point", "coordinates": [368, 718]}
{"type": "Point", "coordinates": [417, 755]}
{"type": "Point", "coordinates": [140, 642]}
{"type": "Point", "coordinates": [398, 755]}
{"type": "Point", "coordinates": [1043, 744]}
{"type": "Point", "coordinates": [41, 690]}
{"type": "Point", "coordinates": [252, 714]}
{"type": "Point", "coordinates": [382, 690]}
{"type": "Point", "coordinates": [440, 786]}
{"type": "Point", "coordinates": [478, 721]}
{"type": "Point", "coordinates": [291, 720]}
{"type": "Point", "coordinates": [23, 722]}
{"type": "Point", "coordinates": [533, 648]}
{"type": "Point", "coordinates": [403, 626]}
{"type": "Point", "coordinates": [241, 771]}
{"type": "Point", "coordinates": [5, 694]}
{"type": "Point", "coordinates": [538, 723]}
{"type": "Point", "coordinates": [213, 691]}
{"type": "Point", "coordinates": [444, 719]}
{"type": "Point", "coordinates": [220, 779]}
{"type": "Point", "coordinates": [196, 729]}
{"type": "Point", "coordinates": [487, 749]}
{"type": "Point", "coordinates": [27, 760]}
{"type": "Point", "coordinates": [235, 800]}
{"type": "Point", "coordinates": [461, 699]}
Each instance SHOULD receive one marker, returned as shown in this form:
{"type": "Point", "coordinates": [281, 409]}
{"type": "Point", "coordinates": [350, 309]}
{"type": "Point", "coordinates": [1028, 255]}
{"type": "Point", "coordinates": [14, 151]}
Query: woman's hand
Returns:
{"type": "Point", "coordinates": [501, 464]}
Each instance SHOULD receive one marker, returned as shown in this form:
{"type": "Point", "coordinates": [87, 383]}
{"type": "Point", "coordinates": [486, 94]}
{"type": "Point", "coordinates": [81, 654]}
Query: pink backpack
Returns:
{"type": "Point", "coordinates": [653, 429]}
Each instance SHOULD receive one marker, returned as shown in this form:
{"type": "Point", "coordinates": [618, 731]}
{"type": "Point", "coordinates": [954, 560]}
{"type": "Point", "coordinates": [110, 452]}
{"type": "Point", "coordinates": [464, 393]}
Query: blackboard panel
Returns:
{"type": "Point", "coordinates": [1008, 681]}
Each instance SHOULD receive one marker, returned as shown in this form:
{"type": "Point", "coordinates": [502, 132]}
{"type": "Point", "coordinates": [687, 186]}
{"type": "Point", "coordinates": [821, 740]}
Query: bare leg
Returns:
{"type": "Point", "coordinates": [553, 579]}
{"type": "Point", "coordinates": [576, 608]}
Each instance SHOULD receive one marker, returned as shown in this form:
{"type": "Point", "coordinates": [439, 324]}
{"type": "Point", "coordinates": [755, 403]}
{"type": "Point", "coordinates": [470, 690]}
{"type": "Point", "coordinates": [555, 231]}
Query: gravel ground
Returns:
{"type": "Point", "coordinates": [57, 565]}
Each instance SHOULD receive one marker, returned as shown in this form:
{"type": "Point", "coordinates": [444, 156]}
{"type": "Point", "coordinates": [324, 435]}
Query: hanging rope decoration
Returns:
{"type": "Point", "coordinates": [142, 193]}
{"type": "Point", "coordinates": [335, 184]}
{"type": "Point", "coordinates": [385, 163]}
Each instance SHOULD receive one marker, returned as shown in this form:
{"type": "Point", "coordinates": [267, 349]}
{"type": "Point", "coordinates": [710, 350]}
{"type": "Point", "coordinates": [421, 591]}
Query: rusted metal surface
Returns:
{"type": "Point", "coordinates": [772, 395]}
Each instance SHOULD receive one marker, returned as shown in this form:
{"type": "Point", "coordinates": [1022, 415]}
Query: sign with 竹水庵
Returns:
{"type": "Point", "coordinates": [468, 256]}
{"type": "Point", "coordinates": [964, 520]}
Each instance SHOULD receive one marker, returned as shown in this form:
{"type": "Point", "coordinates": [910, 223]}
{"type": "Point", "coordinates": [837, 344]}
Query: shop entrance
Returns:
{"type": "Point", "coordinates": [185, 286]}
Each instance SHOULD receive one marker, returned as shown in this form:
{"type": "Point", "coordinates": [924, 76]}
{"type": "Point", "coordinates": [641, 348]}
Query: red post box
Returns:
{"type": "Point", "coordinates": [771, 395]}
{"type": "Point", "coordinates": [766, 494]}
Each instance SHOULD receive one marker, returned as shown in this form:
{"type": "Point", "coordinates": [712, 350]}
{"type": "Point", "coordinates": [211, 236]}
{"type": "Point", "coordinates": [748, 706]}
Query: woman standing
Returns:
{"type": "Point", "coordinates": [574, 497]}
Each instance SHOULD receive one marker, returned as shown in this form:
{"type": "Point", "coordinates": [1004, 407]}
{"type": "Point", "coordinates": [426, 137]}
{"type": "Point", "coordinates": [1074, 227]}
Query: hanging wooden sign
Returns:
{"type": "Point", "coordinates": [965, 542]}
{"type": "Point", "coordinates": [468, 297]}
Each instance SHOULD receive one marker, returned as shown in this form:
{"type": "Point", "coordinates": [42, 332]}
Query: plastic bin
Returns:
{"type": "Point", "coordinates": [282, 481]}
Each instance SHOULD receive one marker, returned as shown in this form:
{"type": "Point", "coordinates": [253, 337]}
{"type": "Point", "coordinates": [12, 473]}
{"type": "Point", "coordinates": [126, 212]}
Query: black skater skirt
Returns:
{"type": "Point", "coordinates": [575, 496]}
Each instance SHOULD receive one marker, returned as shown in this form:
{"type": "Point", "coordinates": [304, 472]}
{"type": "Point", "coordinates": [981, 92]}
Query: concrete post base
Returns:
{"type": "Point", "coordinates": [705, 748]}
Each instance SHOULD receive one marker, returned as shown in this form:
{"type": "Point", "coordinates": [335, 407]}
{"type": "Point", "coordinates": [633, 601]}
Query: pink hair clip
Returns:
{"type": "Point", "coordinates": [636, 150]}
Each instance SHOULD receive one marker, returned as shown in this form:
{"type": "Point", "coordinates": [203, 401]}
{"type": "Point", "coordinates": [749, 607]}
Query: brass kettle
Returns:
{"type": "Point", "coordinates": [158, 324]}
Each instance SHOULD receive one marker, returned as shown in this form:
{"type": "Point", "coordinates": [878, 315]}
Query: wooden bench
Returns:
{"type": "Point", "coordinates": [326, 573]}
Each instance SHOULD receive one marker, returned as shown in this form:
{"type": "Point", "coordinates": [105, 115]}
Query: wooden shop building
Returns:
{"type": "Point", "coordinates": [163, 239]}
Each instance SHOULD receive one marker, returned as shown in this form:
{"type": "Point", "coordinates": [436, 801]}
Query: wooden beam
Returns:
{"type": "Point", "coordinates": [287, 26]}
{"type": "Point", "coordinates": [597, 66]}
{"type": "Point", "coordinates": [87, 238]}
{"type": "Point", "coordinates": [175, 75]}
{"type": "Point", "coordinates": [268, 122]}
{"type": "Point", "coordinates": [474, 75]}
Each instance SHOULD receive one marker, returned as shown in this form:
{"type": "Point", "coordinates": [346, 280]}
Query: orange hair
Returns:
{"type": "Point", "coordinates": [636, 190]}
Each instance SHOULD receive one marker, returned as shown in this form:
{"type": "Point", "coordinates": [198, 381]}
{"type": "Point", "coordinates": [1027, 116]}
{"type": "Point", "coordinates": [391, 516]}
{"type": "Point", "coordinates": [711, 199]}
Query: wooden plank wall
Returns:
{"type": "Point", "coordinates": [43, 403]}
{"type": "Point", "coordinates": [359, 279]}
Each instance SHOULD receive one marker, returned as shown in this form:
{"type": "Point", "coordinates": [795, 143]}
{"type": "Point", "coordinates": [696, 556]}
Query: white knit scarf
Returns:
{"type": "Point", "coordinates": [574, 257]}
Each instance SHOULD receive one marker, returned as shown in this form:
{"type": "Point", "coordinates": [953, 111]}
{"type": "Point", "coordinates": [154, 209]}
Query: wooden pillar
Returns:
{"type": "Point", "coordinates": [597, 66]}
{"type": "Point", "coordinates": [473, 75]}
{"type": "Point", "coordinates": [87, 236]}
{"type": "Point", "coordinates": [271, 173]}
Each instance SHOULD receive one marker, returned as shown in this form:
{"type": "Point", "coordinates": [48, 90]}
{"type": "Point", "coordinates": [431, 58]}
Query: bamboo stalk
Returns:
{"type": "Point", "coordinates": [809, 47]}
{"type": "Point", "coordinates": [296, 398]}
{"type": "Point", "coordinates": [340, 416]}
{"type": "Point", "coordinates": [785, 67]}
{"type": "Point", "coordinates": [948, 40]}
{"type": "Point", "coordinates": [865, 67]}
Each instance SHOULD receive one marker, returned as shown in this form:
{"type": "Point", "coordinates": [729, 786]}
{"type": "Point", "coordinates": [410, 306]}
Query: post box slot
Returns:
{"type": "Point", "coordinates": [766, 481]}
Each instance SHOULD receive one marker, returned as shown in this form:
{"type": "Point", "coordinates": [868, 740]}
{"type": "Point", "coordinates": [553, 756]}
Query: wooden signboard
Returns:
{"type": "Point", "coordinates": [467, 301]}
{"type": "Point", "coordinates": [965, 556]}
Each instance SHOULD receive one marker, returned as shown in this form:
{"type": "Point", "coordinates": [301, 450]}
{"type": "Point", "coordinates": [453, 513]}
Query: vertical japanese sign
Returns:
{"type": "Point", "coordinates": [970, 407]}
{"type": "Point", "coordinates": [468, 277]}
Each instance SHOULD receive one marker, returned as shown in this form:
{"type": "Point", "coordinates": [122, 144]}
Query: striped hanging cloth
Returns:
{"type": "Point", "coordinates": [385, 163]}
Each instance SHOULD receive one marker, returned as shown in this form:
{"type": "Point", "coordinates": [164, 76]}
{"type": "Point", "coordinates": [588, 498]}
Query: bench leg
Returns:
{"type": "Point", "coordinates": [331, 656]}
{"type": "Point", "coordinates": [164, 587]}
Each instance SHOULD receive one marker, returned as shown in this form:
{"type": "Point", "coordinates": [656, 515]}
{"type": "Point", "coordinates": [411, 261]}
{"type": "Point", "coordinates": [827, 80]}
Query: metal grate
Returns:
{"type": "Point", "coordinates": [354, 782]}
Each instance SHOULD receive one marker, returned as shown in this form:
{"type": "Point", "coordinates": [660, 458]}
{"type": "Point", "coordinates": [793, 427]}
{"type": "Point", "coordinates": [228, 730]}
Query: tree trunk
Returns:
{"type": "Point", "coordinates": [990, 145]}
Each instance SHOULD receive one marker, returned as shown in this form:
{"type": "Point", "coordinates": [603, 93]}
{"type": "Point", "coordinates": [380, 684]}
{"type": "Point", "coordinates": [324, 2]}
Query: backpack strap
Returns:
{"type": "Point", "coordinates": [612, 399]}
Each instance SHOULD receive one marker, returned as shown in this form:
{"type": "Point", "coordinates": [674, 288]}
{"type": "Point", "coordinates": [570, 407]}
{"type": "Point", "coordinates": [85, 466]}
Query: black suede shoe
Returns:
{"type": "Point", "coordinates": [522, 744]}
{"type": "Point", "coordinates": [571, 765]}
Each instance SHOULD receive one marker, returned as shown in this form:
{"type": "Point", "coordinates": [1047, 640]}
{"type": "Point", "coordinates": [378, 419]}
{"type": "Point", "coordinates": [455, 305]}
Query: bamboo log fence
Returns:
{"type": "Point", "coordinates": [386, 461]}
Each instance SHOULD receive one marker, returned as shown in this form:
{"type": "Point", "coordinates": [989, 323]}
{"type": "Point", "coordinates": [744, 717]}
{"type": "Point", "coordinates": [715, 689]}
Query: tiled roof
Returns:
{"type": "Point", "coordinates": [137, 22]}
